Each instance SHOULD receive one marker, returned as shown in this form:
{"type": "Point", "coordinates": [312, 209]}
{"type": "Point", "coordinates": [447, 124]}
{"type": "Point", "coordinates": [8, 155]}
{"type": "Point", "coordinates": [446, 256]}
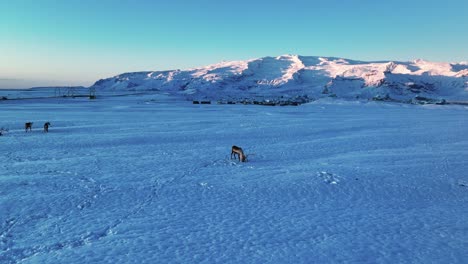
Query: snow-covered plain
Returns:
{"type": "Point", "coordinates": [149, 179]}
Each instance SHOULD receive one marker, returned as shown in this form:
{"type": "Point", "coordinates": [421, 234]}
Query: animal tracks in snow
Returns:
{"type": "Point", "coordinates": [328, 177]}
{"type": "Point", "coordinates": [223, 162]}
{"type": "Point", "coordinates": [462, 183]}
{"type": "Point", "coordinates": [206, 185]}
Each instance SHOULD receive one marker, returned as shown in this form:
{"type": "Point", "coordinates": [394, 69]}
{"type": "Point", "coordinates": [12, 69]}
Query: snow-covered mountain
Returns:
{"type": "Point", "coordinates": [292, 75]}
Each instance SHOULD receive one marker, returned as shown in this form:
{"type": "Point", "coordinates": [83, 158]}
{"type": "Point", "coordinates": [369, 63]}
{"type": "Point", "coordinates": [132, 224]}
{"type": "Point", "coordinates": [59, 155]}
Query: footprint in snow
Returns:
{"type": "Point", "coordinates": [328, 177]}
{"type": "Point", "coordinates": [462, 183]}
{"type": "Point", "coordinates": [205, 185]}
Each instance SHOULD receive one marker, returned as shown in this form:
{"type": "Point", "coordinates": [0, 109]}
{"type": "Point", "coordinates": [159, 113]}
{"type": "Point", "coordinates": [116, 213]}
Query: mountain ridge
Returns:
{"type": "Point", "coordinates": [292, 75]}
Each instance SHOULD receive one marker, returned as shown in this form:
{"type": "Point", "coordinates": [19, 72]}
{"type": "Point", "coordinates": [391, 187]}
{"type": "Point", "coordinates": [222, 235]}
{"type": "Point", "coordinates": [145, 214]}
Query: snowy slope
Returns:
{"type": "Point", "coordinates": [140, 179]}
{"type": "Point", "coordinates": [292, 75]}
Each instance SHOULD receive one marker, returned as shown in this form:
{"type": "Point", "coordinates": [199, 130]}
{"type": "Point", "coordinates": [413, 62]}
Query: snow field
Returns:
{"type": "Point", "coordinates": [143, 180]}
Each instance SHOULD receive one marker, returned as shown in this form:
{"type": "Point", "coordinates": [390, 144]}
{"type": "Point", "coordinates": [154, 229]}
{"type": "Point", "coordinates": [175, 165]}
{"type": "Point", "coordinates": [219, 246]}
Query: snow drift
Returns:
{"type": "Point", "coordinates": [292, 75]}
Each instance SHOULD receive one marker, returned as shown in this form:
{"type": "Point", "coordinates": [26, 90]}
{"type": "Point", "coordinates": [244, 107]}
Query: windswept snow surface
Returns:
{"type": "Point", "coordinates": [142, 179]}
{"type": "Point", "coordinates": [293, 75]}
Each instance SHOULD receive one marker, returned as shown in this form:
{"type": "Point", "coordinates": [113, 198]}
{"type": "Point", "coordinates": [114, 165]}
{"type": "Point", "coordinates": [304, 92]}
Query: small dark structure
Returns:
{"type": "Point", "coordinates": [201, 102]}
{"type": "Point", "coordinates": [92, 93]}
{"type": "Point", "coordinates": [424, 100]}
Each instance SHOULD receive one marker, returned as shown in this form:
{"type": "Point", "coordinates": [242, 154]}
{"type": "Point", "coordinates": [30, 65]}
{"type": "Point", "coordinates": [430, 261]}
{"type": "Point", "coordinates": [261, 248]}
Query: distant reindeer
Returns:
{"type": "Point", "coordinates": [27, 126]}
{"type": "Point", "coordinates": [46, 127]}
{"type": "Point", "coordinates": [239, 152]}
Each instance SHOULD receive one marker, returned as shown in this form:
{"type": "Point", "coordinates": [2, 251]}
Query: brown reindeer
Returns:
{"type": "Point", "coordinates": [27, 126]}
{"type": "Point", "coordinates": [46, 127]}
{"type": "Point", "coordinates": [240, 153]}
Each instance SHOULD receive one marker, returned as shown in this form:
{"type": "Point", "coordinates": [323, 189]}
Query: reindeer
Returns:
{"type": "Point", "coordinates": [27, 126]}
{"type": "Point", "coordinates": [240, 153]}
{"type": "Point", "coordinates": [46, 127]}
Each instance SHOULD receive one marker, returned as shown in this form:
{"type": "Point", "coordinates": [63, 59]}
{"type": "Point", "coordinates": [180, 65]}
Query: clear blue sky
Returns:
{"type": "Point", "coordinates": [76, 42]}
